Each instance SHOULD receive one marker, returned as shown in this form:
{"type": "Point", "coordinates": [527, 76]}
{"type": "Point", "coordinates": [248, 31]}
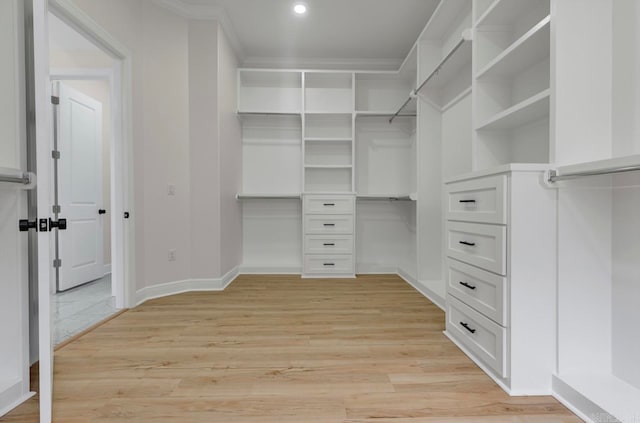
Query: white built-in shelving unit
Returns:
{"type": "Point", "coordinates": [512, 94]}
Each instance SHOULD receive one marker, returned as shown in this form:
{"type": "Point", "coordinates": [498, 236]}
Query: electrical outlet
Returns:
{"type": "Point", "coordinates": [172, 255]}
{"type": "Point", "coordinates": [171, 190]}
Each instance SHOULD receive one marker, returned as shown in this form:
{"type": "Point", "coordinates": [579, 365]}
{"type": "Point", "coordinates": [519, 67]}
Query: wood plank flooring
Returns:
{"type": "Point", "coordinates": [281, 349]}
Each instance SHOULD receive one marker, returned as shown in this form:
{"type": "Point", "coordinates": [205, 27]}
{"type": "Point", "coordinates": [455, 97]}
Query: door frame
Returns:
{"type": "Point", "coordinates": [122, 183]}
{"type": "Point", "coordinates": [104, 74]}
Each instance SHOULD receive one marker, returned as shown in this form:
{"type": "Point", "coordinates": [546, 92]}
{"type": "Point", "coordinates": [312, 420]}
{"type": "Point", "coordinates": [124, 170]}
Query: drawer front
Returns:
{"type": "Point", "coordinates": [328, 224]}
{"type": "Point", "coordinates": [484, 338]}
{"type": "Point", "coordinates": [320, 204]}
{"type": "Point", "coordinates": [479, 200]}
{"type": "Point", "coordinates": [328, 264]}
{"type": "Point", "coordinates": [483, 291]}
{"type": "Point", "coordinates": [328, 244]}
{"type": "Point", "coordinates": [481, 245]}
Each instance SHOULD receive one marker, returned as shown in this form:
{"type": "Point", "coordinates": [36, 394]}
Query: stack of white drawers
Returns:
{"type": "Point", "coordinates": [500, 247]}
{"type": "Point", "coordinates": [476, 274]}
{"type": "Point", "coordinates": [328, 230]}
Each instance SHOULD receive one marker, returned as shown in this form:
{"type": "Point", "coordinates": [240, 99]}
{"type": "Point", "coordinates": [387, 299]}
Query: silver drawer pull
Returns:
{"type": "Point", "coordinates": [466, 326]}
{"type": "Point", "coordinates": [466, 285]}
{"type": "Point", "coordinates": [330, 245]}
{"type": "Point", "coordinates": [470, 244]}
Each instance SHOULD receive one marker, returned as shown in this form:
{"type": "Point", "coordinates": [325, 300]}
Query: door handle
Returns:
{"type": "Point", "coordinates": [102, 211]}
{"type": "Point", "coordinates": [24, 225]}
{"type": "Point", "coordinates": [61, 224]}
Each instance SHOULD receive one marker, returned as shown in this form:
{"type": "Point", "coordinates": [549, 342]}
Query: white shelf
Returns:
{"type": "Point", "coordinates": [503, 12]}
{"type": "Point", "coordinates": [529, 110]}
{"type": "Point", "coordinates": [439, 23]}
{"type": "Point", "coordinates": [599, 165]}
{"type": "Point", "coordinates": [268, 196]}
{"type": "Point", "coordinates": [244, 113]}
{"type": "Point", "coordinates": [328, 112]}
{"type": "Point", "coordinates": [608, 392]}
{"type": "Point", "coordinates": [313, 166]}
{"type": "Point", "coordinates": [328, 139]}
{"type": "Point", "coordinates": [529, 49]}
{"type": "Point", "coordinates": [450, 67]}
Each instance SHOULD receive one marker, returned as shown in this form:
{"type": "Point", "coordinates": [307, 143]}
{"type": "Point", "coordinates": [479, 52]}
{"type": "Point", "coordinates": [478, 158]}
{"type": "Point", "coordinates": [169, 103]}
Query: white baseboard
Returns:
{"type": "Point", "coordinates": [579, 405]}
{"type": "Point", "coordinates": [107, 269]}
{"type": "Point", "coordinates": [264, 270]}
{"type": "Point", "coordinates": [375, 269]}
{"type": "Point", "coordinates": [422, 288]}
{"type": "Point", "coordinates": [12, 395]}
{"type": "Point", "coordinates": [189, 285]}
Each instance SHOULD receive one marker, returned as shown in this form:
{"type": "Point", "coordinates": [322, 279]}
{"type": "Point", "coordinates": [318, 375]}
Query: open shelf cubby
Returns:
{"type": "Point", "coordinates": [328, 126]}
{"type": "Point", "coordinates": [328, 153]}
{"type": "Point", "coordinates": [271, 154]}
{"type": "Point", "coordinates": [328, 180]}
{"type": "Point", "coordinates": [269, 92]}
{"type": "Point", "coordinates": [381, 92]}
{"type": "Point", "coordinates": [328, 92]}
{"type": "Point", "coordinates": [506, 24]}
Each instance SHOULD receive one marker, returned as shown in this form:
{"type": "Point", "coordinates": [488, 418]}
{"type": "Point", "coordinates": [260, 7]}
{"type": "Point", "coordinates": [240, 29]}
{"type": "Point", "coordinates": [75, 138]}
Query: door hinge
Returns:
{"type": "Point", "coordinates": [57, 263]}
{"type": "Point", "coordinates": [57, 209]}
{"type": "Point", "coordinates": [55, 154]}
{"type": "Point", "coordinates": [55, 100]}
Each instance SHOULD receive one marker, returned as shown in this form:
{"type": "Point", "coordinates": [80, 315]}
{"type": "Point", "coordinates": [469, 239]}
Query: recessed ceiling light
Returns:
{"type": "Point", "coordinates": [300, 8]}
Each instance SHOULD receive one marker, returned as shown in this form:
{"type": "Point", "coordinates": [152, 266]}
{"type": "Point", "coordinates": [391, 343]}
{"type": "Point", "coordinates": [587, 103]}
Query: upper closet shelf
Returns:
{"type": "Point", "coordinates": [439, 25]}
{"type": "Point", "coordinates": [502, 12]}
{"type": "Point", "coordinates": [528, 50]}
{"type": "Point", "coordinates": [386, 114]}
{"type": "Point", "coordinates": [456, 60]}
{"type": "Point", "coordinates": [245, 114]}
{"type": "Point", "coordinates": [529, 110]}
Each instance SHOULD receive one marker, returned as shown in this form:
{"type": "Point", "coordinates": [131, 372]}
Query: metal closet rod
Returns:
{"type": "Point", "coordinates": [24, 179]}
{"type": "Point", "coordinates": [415, 92]}
{"type": "Point", "coordinates": [555, 177]}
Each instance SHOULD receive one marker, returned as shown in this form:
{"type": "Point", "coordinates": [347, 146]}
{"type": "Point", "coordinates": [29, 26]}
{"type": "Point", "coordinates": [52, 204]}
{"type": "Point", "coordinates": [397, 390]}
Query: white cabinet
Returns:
{"type": "Point", "coordinates": [501, 275]}
{"type": "Point", "coordinates": [328, 231]}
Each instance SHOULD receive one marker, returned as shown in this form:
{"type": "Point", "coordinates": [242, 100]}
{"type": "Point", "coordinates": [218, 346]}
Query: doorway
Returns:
{"type": "Point", "coordinates": [84, 289]}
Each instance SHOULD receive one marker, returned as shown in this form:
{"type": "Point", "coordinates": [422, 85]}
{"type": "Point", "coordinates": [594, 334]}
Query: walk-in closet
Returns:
{"type": "Point", "coordinates": [326, 211]}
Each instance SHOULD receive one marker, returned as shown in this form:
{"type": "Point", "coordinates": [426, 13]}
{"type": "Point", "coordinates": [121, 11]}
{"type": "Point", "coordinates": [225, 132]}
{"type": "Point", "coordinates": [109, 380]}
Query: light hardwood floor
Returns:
{"type": "Point", "coordinates": [281, 349]}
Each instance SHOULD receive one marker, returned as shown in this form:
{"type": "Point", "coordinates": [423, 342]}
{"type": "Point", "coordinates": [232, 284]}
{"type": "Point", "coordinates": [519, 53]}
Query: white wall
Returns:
{"type": "Point", "coordinates": [231, 154]}
{"type": "Point", "coordinates": [205, 150]}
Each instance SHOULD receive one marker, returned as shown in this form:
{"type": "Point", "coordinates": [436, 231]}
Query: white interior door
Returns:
{"type": "Point", "coordinates": [80, 197]}
{"type": "Point", "coordinates": [14, 294]}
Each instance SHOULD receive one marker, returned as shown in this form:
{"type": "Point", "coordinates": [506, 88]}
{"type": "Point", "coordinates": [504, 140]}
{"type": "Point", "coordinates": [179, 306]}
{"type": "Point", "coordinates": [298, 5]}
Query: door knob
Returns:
{"type": "Point", "coordinates": [102, 211]}
{"type": "Point", "coordinates": [25, 225]}
{"type": "Point", "coordinates": [61, 224]}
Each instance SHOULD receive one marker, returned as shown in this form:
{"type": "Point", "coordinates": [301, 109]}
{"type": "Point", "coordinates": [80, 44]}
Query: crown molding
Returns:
{"type": "Point", "coordinates": [205, 12]}
{"type": "Point", "coordinates": [351, 64]}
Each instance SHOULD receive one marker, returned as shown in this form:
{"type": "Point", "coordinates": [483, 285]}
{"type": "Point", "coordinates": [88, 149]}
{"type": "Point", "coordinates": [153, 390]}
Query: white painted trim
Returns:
{"type": "Point", "coordinates": [315, 63]}
{"type": "Point", "coordinates": [20, 398]}
{"type": "Point", "coordinates": [205, 12]}
{"type": "Point", "coordinates": [188, 285]}
{"type": "Point", "coordinates": [579, 405]}
{"type": "Point", "coordinates": [90, 74]}
{"type": "Point", "coordinates": [107, 269]}
{"type": "Point", "coordinates": [422, 288]}
{"type": "Point", "coordinates": [260, 270]}
{"type": "Point", "coordinates": [122, 147]}
{"type": "Point", "coordinates": [375, 269]}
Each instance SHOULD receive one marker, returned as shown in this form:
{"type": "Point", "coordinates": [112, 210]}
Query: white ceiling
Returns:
{"type": "Point", "coordinates": [336, 33]}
